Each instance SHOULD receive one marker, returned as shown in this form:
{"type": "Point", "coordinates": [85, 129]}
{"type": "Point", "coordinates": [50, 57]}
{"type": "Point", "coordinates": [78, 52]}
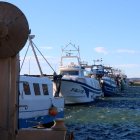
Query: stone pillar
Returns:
{"type": "Point", "coordinates": [8, 98]}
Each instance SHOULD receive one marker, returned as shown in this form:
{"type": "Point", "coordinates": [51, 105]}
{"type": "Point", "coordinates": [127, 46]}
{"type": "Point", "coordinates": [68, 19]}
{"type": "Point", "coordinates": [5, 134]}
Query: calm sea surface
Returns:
{"type": "Point", "coordinates": [116, 118]}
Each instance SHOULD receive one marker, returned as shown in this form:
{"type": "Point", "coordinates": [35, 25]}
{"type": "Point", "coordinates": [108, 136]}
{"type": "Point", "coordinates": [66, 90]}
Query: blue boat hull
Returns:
{"type": "Point", "coordinates": [109, 87]}
{"type": "Point", "coordinates": [32, 122]}
{"type": "Point", "coordinates": [109, 90]}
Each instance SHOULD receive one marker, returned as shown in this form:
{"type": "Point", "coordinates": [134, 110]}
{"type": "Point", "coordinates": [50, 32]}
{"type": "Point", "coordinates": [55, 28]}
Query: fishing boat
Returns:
{"type": "Point", "coordinates": [37, 104]}
{"type": "Point", "coordinates": [76, 85]}
{"type": "Point", "coordinates": [106, 78]}
{"type": "Point", "coordinates": [109, 86]}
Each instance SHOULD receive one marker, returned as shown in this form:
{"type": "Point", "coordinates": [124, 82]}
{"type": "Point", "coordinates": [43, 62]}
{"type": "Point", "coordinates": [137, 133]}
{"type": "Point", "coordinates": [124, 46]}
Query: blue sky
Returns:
{"type": "Point", "coordinates": [107, 29]}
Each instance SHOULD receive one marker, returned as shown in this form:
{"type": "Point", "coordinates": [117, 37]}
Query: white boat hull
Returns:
{"type": "Point", "coordinates": [34, 109]}
{"type": "Point", "coordinates": [37, 112]}
{"type": "Point", "coordinates": [75, 92]}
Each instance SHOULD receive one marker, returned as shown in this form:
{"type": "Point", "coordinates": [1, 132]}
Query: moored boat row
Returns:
{"type": "Point", "coordinates": [77, 83]}
{"type": "Point", "coordinates": [112, 80]}
{"type": "Point", "coordinates": [83, 83]}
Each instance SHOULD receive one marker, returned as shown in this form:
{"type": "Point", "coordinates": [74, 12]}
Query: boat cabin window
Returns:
{"type": "Point", "coordinates": [45, 89]}
{"type": "Point", "coordinates": [70, 72]}
{"type": "Point", "coordinates": [36, 88]}
{"type": "Point", "coordinates": [26, 88]}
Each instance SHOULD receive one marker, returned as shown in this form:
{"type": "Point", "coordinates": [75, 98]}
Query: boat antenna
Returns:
{"type": "Point", "coordinates": [69, 51]}
{"type": "Point", "coordinates": [98, 60]}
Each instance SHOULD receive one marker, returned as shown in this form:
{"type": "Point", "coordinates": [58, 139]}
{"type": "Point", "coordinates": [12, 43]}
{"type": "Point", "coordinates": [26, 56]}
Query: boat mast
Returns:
{"type": "Point", "coordinates": [67, 52]}
{"type": "Point", "coordinates": [31, 43]}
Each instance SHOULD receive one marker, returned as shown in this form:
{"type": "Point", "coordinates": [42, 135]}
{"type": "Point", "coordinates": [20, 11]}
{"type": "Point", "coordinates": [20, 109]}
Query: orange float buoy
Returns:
{"type": "Point", "coordinates": [53, 111]}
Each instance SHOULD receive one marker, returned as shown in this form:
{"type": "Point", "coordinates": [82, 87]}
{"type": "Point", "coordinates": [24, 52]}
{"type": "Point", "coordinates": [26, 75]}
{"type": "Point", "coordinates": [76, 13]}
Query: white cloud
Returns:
{"type": "Point", "coordinates": [47, 47]}
{"type": "Point", "coordinates": [101, 50]}
{"type": "Point", "coordinates": [126, 51]}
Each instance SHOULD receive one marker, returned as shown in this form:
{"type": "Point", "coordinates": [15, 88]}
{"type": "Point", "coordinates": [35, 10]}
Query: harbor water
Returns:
{"type": "Point", "coordinates": [116, 117]}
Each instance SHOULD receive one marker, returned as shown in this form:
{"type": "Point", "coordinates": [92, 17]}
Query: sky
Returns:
{"type": "Point", "coordinates": [107, 29]}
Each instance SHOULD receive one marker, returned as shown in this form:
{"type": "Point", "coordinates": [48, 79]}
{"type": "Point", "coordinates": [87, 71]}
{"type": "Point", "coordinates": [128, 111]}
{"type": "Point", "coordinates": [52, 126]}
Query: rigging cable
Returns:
{"type": "Point", "coordinates": [44, 58]}
{"type": "Point", "coordinates": [24, 57]}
